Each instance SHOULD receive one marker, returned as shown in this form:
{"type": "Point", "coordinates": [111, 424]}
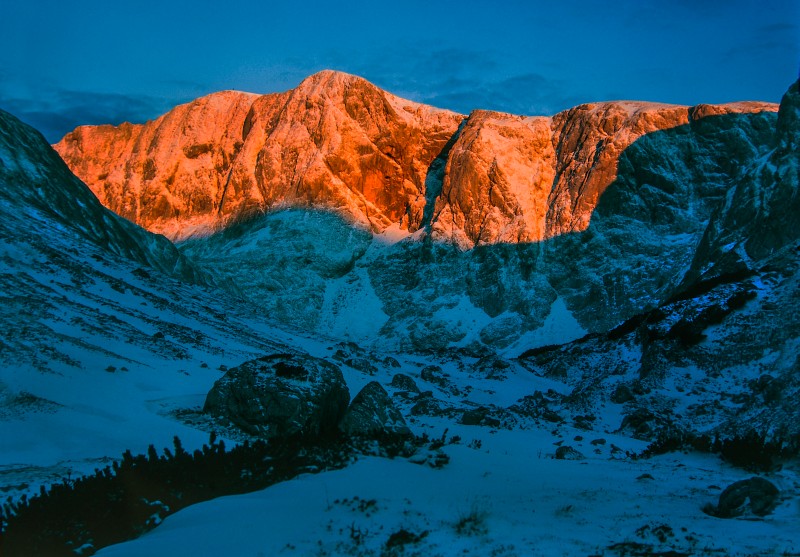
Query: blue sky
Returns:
{"type": "Point", "coordinates": [65, 63]}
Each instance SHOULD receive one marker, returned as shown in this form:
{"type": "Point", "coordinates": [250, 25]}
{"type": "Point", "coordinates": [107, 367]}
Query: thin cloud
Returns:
{"type": "Point", "coordinates": [457, 79]}
{"type": "Point", "coordinates": [61, 111]}
{"type": "Point", "coordinates": [766, 40]}
{"type": "Point", "coordinates": [779, 28]}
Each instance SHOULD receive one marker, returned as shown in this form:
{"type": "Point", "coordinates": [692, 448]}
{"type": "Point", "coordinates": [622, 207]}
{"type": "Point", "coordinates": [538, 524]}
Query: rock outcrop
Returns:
{"type": "Point", "coordinates": [566, 452]}
{"type": "Point", "coordinates": [281, 395]}
{"type": "Point", "coordinates": [373, 412]}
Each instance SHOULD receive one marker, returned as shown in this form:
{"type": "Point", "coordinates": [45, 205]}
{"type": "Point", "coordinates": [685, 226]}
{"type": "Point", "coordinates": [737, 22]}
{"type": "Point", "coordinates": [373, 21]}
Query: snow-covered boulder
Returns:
{"type": "Point", "coordinates": [756, 495]}
{"type": "Point", "coordinates": [568, 453]}
{"type": "Point", "coordinates": [404, 383]}
{"type": "Point", "coordinates": [281, 395]}
{"type": "Point", "coordinates": [372, 411]}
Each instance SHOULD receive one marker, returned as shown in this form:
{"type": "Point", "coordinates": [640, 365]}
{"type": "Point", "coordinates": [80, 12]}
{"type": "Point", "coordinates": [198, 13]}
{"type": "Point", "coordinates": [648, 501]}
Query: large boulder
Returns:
{"type": "Point", "coordinates": [755, 495]}
{"type": "Point", "coordinates": [372, 412]}
{"type": "Point", "coordinates": [281, 395]}
{"type": "Point", "coordinates": [568, 453]}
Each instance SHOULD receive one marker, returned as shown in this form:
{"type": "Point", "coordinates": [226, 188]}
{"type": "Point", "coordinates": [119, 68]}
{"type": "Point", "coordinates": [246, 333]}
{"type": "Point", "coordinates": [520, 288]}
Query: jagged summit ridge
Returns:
{"type": "Point", "coordinates": [338, 142]}
{"type": "Point", "coordinates": [335, 141]}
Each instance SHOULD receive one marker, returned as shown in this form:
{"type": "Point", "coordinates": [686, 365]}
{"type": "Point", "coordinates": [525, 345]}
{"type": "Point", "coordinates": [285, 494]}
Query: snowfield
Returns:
{"type": "Point", "coordinates": [510, 497]}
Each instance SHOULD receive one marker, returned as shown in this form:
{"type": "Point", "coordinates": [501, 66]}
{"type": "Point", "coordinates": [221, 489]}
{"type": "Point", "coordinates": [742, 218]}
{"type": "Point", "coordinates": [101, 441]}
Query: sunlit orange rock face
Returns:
{"type": "Point", "coordinates": [516, 179]}
{"type": "Point", "coordinates": [338, 142]}
{"type": "Point", "coordinates": [166, 175]}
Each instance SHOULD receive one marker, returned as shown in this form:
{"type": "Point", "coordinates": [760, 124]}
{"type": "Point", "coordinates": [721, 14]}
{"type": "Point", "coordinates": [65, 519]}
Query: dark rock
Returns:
{"type": "Point", "coordinates": [551, 416]}
{"type": "Point", "coordinates": [403, 537]}
{"type": "Point", "coordinates": [492, 367]}
{"type": "Point", "coordinates": [433, 374]}
{"type": "Point", "coordinates": [391, 362]}
{"type": "Point", "coordinates": [479, 416]}
{"type": "Point", "coordinates": [281, 395]}
{"type": "Point", "coordinates": [404, 383]}
{"type": "Point", "coordinates": [536, 406]}
{"type": "Point", "coordinates": [371, 412]}
{"type": "Point", "coordinates": [598, 441]}
{"type": "Point", "coordinates": [361, 364]}
{"type": "Point", "coordinates": [768, 387]}
{"type": "Point", "coordinates": [141, 273]}
{"type": "Point", "coordinates": [584, 422]}
{"type": "Point", "coordinates": [643, 423]}
{"type": "Point", "coordinates": [426, 406]}
{"type": "Point", "coordinates": [757, 495]}
{"type": "Point", "coordinates": [474, 416]}
{"type": "Point", "coordinates": [621, 394]}
{"type": "Point", "coordinates": [637, 388]}
{"type": "Point", "coordinates": [530, 405]}
{"type": "Point", "coordinates": [568, 453]}
{"type": "Point", "coordinates": [435, 458]}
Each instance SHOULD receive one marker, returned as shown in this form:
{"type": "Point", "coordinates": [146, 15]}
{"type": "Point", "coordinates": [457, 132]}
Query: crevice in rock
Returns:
{"type": "Point", "coordinates": [435, 177]}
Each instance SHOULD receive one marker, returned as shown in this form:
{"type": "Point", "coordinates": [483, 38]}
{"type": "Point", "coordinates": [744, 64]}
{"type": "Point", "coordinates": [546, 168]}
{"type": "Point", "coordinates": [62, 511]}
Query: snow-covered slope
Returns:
{"type": "Point", "coordinates": [507, 499]}
{"type": "Point", "coordinates": [105, 328]}
{"type": "Point", "coordinates": [38, 188]}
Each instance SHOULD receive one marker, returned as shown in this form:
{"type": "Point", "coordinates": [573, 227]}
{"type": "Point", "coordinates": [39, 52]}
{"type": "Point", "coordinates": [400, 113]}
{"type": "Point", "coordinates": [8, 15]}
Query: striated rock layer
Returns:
{"type": "Point", "coordinates": [338, 142]}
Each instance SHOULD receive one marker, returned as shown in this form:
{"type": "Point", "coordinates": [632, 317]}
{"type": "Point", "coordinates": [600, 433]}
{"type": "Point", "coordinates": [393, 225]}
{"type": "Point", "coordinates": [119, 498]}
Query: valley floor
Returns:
{"type": "Point", "coordinates": [510, 497]}
{"type": "Point", "coordinates": [125, 359]}
{"type": "Point", "coordinates": [502, 493]}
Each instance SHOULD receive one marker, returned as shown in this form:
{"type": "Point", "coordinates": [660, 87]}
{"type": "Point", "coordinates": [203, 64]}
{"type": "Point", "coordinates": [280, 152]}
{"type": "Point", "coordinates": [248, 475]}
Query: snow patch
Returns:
{"type": "Point", "coordinates": [559, 327]}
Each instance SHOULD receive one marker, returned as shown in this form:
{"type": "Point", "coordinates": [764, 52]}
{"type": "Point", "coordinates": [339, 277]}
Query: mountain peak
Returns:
{"type": "Point", "coordinates": [329, 80]}
{"type": "Point", "coordinates": [331, 75]}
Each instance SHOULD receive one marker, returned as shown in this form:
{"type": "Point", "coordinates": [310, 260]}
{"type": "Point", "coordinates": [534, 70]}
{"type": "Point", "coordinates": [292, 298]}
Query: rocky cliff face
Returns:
{"type": "Point", "coordinates": [536, 230]}
{"type": "Point", "coordinates": [166, 175]}
{"type": "Point", "coordinates": [336, 142]}
{"type": "Point", "coordinates": [515, 179]}
{"type": "Point", "coordinates": [760, 214]}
